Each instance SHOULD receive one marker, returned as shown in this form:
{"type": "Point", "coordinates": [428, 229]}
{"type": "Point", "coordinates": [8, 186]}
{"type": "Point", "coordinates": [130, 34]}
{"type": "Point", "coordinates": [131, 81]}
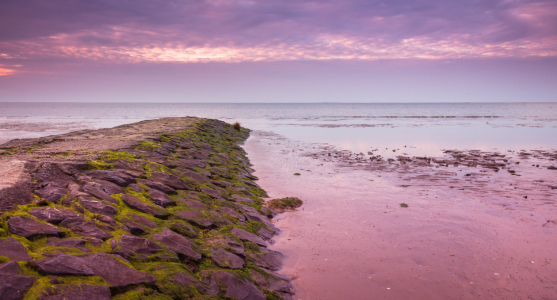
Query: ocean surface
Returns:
{"type": "Point", "coordinates": [414, 129]}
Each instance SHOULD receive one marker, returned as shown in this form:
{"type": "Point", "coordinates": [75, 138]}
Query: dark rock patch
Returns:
{"type": "Point", "coordinates": [233, 213]}
{"type": "Point", "coordinates": [239, 198]}
{"type": "Point", "coordinates": [272, 281]}
{"type": "Point", "coordinates": [63, 265]}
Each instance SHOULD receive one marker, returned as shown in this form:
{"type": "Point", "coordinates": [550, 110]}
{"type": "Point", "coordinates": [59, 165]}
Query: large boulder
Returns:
{"type": "Point", "coordinates": [177, 243]}
{"type": "Point", "coordinates": [29, 228]}
{"type": "Point", "coordinates": [246, 236]}
{"type": "Point", "coordinates": [225, 259]}
{"type": "Point", "coordinates": [140, 205]}
{"type": "Point", "coordinates": [76, 292]}
{"type": "Point", "coordinates": [52, 215]}
{"type": "Point", "coordinates": [14, 250]}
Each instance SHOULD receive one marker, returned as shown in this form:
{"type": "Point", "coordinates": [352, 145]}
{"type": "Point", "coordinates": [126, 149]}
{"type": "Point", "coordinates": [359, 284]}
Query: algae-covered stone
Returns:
{"type": "Point", "coordinates": [14, 287]}
{"type": "Point", "coordinates": [153, 210]}
{"type": "Point", "coordinates": [136, 247]}
{"type": "Point", "coordinates": [177, 243]}
{"type": "Point", "coordinates": [267, 259]}
{"type": "Point", "coordinates": [246, 236]}
{"type": "Point", "coordinates": [52, 215]}
{"type": "Point", "coordinates": [272, 281]}
{"type": "Point", "coordinates": [225, 259]}
{"type": "Point", "coordinates": [76, 292]}
{"type": "Point", "coordinates": [14, 250]}
{"type": "Point", "coordinates": [70, 243]}
{"type": "Point", "coordinates": [184, 229]}
{"type": "Point", "coordinates": [232, 286]}
{"type": "Point", "coordinates": [195, 217]}
{"type": "Point", "coordinates": [160, 198]}
{"type": "Point", "coordinates": [29, 228]}
{"type": "Point", "coordinates": [172, 181]}
{"type": "Point", "coordinates": [158, 186]}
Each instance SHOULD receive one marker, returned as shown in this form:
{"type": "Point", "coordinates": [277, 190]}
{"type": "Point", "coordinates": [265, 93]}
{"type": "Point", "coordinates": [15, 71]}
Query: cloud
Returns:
{"type": "Point", "coordinates": [135, 31]}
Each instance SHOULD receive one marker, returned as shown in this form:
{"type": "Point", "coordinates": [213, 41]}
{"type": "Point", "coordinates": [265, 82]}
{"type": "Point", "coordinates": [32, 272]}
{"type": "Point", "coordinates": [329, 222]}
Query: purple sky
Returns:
{"type": "Point", "coordinates": [278, 51]}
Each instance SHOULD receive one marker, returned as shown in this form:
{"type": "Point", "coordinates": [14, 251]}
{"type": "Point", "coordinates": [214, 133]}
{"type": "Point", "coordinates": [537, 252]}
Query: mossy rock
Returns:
{"type": "Point", "coordinates": [283, 204]}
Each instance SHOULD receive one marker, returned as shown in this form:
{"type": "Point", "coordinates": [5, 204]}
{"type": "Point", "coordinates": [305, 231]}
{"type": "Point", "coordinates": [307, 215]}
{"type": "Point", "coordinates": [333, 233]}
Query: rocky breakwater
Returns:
{"type": "Point", "coordinates": [160, 209]}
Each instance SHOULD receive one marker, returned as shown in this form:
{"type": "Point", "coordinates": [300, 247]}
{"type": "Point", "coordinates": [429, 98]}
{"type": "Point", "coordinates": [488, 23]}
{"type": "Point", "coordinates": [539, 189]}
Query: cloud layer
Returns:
{"type": "Point", "coordinates": [136, 31]}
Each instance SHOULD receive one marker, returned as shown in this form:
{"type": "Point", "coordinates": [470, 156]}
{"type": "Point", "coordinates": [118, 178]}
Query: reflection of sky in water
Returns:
{"type": "Point", "coordinates": [424, 128]}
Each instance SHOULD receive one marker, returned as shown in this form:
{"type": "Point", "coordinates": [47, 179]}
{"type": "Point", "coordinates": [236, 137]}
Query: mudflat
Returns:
{"type": "Point", "coordinates": [467, 225]}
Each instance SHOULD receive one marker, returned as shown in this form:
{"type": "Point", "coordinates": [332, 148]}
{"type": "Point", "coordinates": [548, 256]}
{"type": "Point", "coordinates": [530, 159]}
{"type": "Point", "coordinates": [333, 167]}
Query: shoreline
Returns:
{"type": "Point", "coordinates": [157, 209]}
{"type": "Point", "coordinates": [461, 236]}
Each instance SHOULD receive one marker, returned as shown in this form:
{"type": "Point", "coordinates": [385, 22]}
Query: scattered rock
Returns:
{"type": "Point", "coordinates": [14, 250]}
{"type": "Point", "coordinates": [29, 228]}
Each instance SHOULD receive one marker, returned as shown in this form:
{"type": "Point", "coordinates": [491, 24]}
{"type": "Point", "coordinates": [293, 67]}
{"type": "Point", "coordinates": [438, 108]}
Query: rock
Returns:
{"type": "Point", "coordinates": [14, 250]}
{"type": "Point", "coordinates": [552, 168]}
{"type": "Point", "coordinates": [257, 217]}
{"type": "Point", "coordinates": [63, 265]}
{"type": "Point", "coordinates": [264, 233]}
{"type": "Point", "coordinates": [160, 198]}
{"type": "Point", "coordinates": [177, 243]}
{"type": "Point", "coordinates": [183, 280]}
{"type": "Point", "coordinates": [153, 210]}
{"type": "Point", "coordinates": [192, 203]}
{"type": "Point", "coordinates": [267, 259]}
{"type": "Point", "coordinates": [120, 178]}
{"type": "Point", "coordinates": [51, 193]}
{"type": "Point", "coordinates": [98, 206]}
{"type": "Point", "coordinates": [76, 292]}
{"type": "Point", "coordinates": [184, 229]}
{"type": "Point", "coordinates": [158, 186]}
{"type": "Point", "coordinates": [110, 188]}
{"type": "Point", "coordinates": [212, 193]}
{"type": "Point", "coordinates": [194, 175]}
{"type": "Point", "coordinates": [268, 212]}
{"type": "Point", "coordinates": [231, 286]}
{"type": "Point", "coordinates": [135, 247]}
{"type": "Point", "coordinates": [70, 243]}
{"type": "Point", "coordinates": [144, 221]}
{"type": "Point", "coordinates": [52, 215]}
{"type": "Point", "coordinates": [195, 217]}
{"type": "Point", "coordinates": [133, 227]}
{"type": "Point", "coordinates": [246, 236]}
{"type": "Point", "coordinates": [223, 184]}
{"type": "Point", "coordinates": [271, 281]}
{"type": "Point", "coordinates": [136, 187]}
{"type": "Point", "coordinates": [172, 181]}
{"type": "Point", "coordinates": [199, 154]}
{"type": "Point", "coordinates": [126, 165]}
{"type": "Point", "coordinates": [99, 264]}
{"type": "Point", "coordinates": [98, 192]}
{"type": "Point", "coordinates": [225, 259]}
{"type": "Point", "coordinates": [106, 219]}
{"type": "Point", "coordinates": [29, 228]}
{"type": "Point", "coordinates": [11, 267]}
{"type": "Point", "coordinates": [233, 213]}
{"type": "Point", "coordinates": [239, 198]}
{"type": "Point", "coordinates": [79, 226]}
{"type": "Point", "coordinates": [51, 174]}
{"type": "Point", "coordinates": [14, 287]}
{"type": "Point", "coordinates": [192, 164]}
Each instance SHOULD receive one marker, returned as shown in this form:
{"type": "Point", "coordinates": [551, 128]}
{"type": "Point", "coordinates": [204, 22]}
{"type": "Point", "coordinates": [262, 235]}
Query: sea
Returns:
{"type": "Point", "coordinates": [419, 128]}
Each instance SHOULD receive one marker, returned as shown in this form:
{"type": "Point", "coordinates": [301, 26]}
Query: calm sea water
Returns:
{"type": "Point", "coordinates": [425, 129]}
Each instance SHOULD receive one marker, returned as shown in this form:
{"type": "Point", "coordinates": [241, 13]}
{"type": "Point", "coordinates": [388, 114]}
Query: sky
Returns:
{"type": "Point", "coordinates": [278, 51]}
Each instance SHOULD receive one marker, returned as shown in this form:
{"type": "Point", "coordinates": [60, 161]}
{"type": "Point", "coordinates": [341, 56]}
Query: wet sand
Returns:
{"type": "Point", "coordinates": [463, 236]}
